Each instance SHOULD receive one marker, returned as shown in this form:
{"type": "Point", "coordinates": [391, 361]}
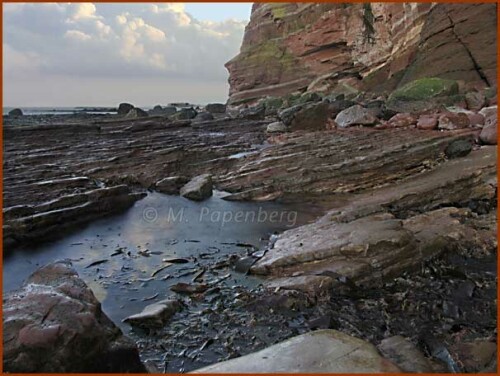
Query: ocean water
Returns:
{"type": "Point", "coordinates": [59, 110]}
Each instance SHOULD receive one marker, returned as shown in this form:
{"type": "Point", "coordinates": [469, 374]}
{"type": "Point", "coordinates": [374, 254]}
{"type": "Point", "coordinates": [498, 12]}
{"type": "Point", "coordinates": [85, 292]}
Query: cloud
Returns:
{"type": "Point", "coordinates": [117, 40]}
{"type": "Point", "coordinates": [83, 11]}
{"type": "Point", "coordinates": [77, 35]}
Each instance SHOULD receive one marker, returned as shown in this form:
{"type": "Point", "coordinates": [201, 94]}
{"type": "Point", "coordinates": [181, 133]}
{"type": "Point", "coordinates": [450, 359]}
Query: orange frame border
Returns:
{"type": "Point", "coordinates": [220, 1]}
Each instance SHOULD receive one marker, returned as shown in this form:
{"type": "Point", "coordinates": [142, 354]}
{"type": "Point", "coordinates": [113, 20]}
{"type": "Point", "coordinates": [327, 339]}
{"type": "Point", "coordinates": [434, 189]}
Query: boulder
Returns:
{"type": "Point", "coordinates": [204, 116]}
{"type": "Point", "coordinates": [199, 188]}
{"type": "Point", "coordinates": [157, 110]}
{"type": "Point", "coordinates": [287, 115]}
{"type": "Point", "coordinates": [475, 100]}
{"type": "Point", "coordinates": [124, 108]}
{"type": "Point", "coordinates": [339, 104]}
{"type": "Point", "coordinates": [272, 105]}
{"type": "Point", "coordinates": [422, 94]}
{"type": "Point", "coordinates": [477, 356]}
{"type": "Point", "coordinates": [321, 351]}
{"type": "Point", "coordinates": [309, 97]}
{"type": "Point", "coordinates": [425, 89]}
{"type": "Point", "coordinates": [163, 111]}
{"type": "Point", "coordinates": [170, 185]}
{"type": "Point", "coordinates": [489, 111]}
{"type": "Point", "coordinates": [355, 115]}
{"type": "Point", "coordinates": [276, 127]}
{"type": "Point", "coordinates": [135, 113]}
{"type": "Point", "coordinates": [488, 135]}
{"type": "Point", "coordinates": [451, 121]}
{"type": "Point", "coordinates": [405, 355]}
{"type": "Point", "coordinates": [476, 119]}
{"type": "Point", "coordinates": [54, 324]}
{"type": "Point", "coordinates": [215, 108]}
{"type": "Point", "coordinates": [169, 110]}
{"type": "Point", "coordinates": [311, 117]}
{"type": "Point", "coordinates": [155, 315]}
{"type": "Point", "coordinates": [490, 116]}
{"type": "Point", "coordinates": [256, 112]}
{"type": "Point", "coordinates": [458, 148]}
{"type": "Point", "coordinates": [16, 112]}
{"type": "Point", "coordinates": [184, 114]}
{"type": "Point", "coordinates": [376, 108]}
{"type": "Point", "coordinates": [402, 120]}
{"type": "Point", "coordinates": [427, 122]}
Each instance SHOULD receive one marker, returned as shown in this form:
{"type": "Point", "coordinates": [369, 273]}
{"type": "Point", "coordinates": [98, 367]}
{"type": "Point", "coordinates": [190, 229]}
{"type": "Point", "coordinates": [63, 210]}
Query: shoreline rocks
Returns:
{"type": "Point", "coordinates": [355, 115]}
{"type": "Point", "coordinates": [54, 324]}
{"type": "Point", "coordinates": [367, 243]}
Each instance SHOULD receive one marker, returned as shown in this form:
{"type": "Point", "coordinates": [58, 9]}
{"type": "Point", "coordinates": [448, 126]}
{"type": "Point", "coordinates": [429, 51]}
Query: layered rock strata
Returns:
{"type": "Point", "coordinates": [373, 46]}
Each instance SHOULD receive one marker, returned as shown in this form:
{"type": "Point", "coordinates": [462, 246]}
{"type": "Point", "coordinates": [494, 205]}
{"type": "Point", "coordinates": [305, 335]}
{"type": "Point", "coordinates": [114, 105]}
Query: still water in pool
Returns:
{"type": "Point", "coordinates": [133, 245]}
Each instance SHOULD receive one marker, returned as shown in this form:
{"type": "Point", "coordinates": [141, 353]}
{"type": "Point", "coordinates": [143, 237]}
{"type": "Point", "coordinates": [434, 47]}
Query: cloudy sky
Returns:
{"type": "Point", "coordinates": [95, 54]}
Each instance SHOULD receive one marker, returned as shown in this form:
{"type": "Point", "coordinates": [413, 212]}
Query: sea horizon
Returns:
{"type": "Point", "coordinates": [62, 110]}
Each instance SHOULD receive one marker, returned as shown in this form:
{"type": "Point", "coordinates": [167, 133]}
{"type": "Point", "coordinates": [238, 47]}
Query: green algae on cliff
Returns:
{"type": "Point", "coordinates": [425, 88]}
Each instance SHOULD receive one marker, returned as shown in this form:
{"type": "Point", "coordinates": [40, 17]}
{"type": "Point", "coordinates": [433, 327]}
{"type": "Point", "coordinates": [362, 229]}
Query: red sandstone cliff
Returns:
{"type": "Point", "coordinates": [373, 46]}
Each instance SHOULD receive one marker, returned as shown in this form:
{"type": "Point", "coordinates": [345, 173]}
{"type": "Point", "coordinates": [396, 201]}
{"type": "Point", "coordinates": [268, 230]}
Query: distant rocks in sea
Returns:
{"type": "Point", "coordinates": [16, 112]}
{"type": "Point", "coordinates": [163, 111]}
{"type": "Point", "coordinates": [124, 108]}
{"type": "Point", "coordinates": [136, 113]}
{"type": "Point", "coordinates": [215, 108]}
{"type": "Point", "coordinates": [175, 111]}
{"type": "Point", "coordinates": [185, 114]}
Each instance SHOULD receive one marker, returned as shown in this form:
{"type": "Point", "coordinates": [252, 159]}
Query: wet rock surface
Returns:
{"type": "Point", "coordinates": [54, 323]}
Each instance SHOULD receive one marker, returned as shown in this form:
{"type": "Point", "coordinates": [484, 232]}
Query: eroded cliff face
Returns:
{"type": "Point", "coordinates": [372, 46]}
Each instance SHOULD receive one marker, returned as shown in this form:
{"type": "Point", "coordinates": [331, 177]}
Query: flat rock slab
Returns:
{"type": "Point", "coordinates": [369, 249]}
{"type": "Point", "coordinates": [199, 188]}
{"type": "Point", "coordinates": [155, 315]}
{"type": "Point", "coordinates": [54, 323]}
{"type": "Point", "coordinates": [351, 249]}
{"type": "Point", "coordinates": [322, 351]}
